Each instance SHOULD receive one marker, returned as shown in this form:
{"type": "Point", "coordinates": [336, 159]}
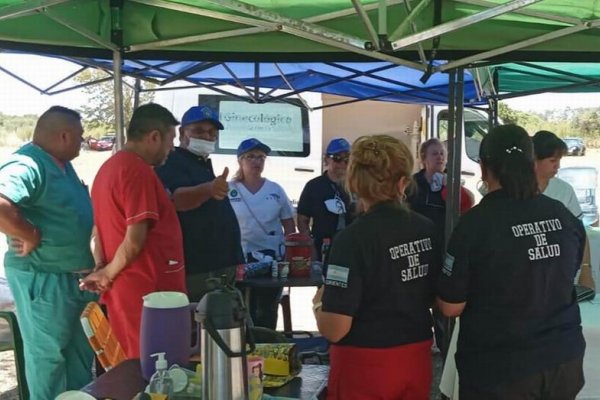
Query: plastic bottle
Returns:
{"type": "Point", "coordinates": [274, 269]}
{"type": "Point", "coordinates": [161, 382]}
{"type": "Point", "coordinates": [285, 270]}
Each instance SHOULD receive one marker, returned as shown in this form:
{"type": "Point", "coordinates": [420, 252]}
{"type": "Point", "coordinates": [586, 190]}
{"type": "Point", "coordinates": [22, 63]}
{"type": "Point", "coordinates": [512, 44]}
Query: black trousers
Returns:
{"type": "Point", "coordinates": [559, 383]}
{"type": "Point", "coordinates": [264, 302]}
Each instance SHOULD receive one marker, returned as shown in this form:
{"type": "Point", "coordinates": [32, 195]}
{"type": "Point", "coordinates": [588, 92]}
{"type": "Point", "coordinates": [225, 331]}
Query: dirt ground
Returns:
{"type": "Point", "coordinates": [87, 165]}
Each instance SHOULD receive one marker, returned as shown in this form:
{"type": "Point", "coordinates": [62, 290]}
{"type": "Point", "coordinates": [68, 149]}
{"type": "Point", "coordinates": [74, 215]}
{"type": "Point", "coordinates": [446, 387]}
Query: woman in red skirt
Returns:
{"type": "Point", "coordinates": [374, 306]}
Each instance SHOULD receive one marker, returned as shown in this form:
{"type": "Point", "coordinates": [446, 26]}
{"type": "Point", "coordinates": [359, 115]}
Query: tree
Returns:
{"type": "Point", "coordinates": [98, 114]}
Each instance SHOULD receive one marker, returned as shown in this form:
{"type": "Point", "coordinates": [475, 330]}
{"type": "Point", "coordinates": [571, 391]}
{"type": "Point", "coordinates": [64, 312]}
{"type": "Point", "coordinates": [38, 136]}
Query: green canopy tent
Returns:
{"type": "Point", "coordinates": [411, 33]}
{"type": "Point", "coordinates": [400, 31]}
{"type": "Point", "coordinates": [510, 80]}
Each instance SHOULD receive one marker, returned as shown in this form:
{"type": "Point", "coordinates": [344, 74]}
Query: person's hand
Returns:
{"type": "Point", "coordinates": [98, 281]}
{"type": "Point", "coordinates": [220, 187]}
{"type": "Point", "coordinates": [24, 246]}
{"type": "Point", "coordinates": [318, 296]}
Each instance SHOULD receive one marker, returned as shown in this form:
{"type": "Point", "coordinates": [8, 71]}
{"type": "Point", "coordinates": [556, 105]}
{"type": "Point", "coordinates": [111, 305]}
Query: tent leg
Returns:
{"type": "Point", "coordinates": [119, 114]}
{"type": "Point", "coordinates": [455, 134]}
{"type": "Point", "coordinates": [136, 93]}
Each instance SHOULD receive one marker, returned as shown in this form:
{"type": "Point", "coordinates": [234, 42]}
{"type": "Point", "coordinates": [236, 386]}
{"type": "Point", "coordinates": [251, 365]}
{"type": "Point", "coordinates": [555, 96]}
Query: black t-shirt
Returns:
{"type": "Point", "coordinates": [513, 263]}
{"type": "Point", "coordinates": [427, 203]}
{"type": "Point", "coordinates": [312, 205]}
{"type": "Point", "coordinates": [211, 234]}
{"type": "Point", "coordinates": [382, 272]}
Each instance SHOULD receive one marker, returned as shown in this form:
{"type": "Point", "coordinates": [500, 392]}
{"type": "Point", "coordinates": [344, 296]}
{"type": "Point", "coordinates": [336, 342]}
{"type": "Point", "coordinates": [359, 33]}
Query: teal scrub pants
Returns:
{"type": "Point", "coordinates": [58, 356]}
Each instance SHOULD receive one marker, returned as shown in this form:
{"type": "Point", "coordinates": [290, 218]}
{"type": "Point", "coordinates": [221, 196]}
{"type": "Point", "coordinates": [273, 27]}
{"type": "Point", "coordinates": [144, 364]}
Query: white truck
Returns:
{"type": "Point", "coordinates": [298, 136]}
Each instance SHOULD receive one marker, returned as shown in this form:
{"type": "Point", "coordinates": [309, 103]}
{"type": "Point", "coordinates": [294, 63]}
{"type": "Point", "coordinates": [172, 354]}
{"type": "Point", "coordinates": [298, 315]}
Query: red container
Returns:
{"type": "Point", "coordinates": [298, 250]}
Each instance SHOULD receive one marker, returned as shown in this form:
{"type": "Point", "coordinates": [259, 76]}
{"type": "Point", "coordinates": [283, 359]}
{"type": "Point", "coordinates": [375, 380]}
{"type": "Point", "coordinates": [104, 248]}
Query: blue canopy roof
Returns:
{"type": "Point", "coordinates": [380, 81]}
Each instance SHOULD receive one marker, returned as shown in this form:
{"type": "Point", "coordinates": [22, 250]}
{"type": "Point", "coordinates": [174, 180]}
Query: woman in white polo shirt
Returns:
{"type": "Point", "coordinates": [549, 149]}
{"type": "Point", "coordinates": [265, 215]}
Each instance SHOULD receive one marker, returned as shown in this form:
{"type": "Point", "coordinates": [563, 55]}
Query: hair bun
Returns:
{"type": "Point", "coordinates": [368, 152]}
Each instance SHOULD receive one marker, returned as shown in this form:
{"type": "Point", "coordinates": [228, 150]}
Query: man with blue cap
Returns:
{"type": "Point", "coordinates": [211, 234]}
{"type": "Point", "coordinates": [324, 203]}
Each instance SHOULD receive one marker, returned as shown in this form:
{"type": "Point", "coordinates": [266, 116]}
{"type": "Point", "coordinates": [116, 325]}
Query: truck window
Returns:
{"type": "Point", "coordinates": [281, 126]}
{"type": "Point", "coordinates": [475, 128]}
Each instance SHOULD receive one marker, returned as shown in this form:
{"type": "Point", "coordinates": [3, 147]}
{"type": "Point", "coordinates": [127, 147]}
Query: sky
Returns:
{"type": "Point", "coordinates": [16, 98]}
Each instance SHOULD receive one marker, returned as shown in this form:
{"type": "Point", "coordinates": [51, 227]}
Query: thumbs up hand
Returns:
{"type": "Point", "coordinates": [219, 187]}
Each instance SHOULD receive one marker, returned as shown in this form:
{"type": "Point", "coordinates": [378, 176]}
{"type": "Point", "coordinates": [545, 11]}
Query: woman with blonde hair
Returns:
{"type": "Point", "coordinates": [265, 215]}
{"type": "Point", "coordinates": [374, 306]}
{"type": "Point", "coordinates": [429, 195]}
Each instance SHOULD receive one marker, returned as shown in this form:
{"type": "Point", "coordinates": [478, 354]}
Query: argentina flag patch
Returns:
{"type": "Point", "coordinates": [337, 276]}
{"type": "Point", "coordinates": [448, 265]}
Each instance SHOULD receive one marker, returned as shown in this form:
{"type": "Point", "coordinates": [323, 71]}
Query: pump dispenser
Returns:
{"type": "Point", "coordinates": [161, 382]}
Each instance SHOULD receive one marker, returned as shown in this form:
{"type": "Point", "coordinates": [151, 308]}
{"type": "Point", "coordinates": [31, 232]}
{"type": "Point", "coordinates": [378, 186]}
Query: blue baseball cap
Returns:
{"type": "Point", "coordinates": [199, 114]}
{"type": "Point", "coordinates": [338, 145]}
{"type": "Point", "coordinates": [252, 144]}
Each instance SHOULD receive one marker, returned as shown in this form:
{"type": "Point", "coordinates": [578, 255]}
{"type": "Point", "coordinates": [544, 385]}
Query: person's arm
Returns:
{"type": "Point", "coordinates": [25, 237]}
{"type": "Point", "coordinates": [331, 325]}
{"type": "Point", "coordinates": [303, 224]}
{"type": "Point", "coordinates": [288, 226]}
{"type": "Point", "coordinates": [585, 276]}
{"type": "Point", "coordinates": [190, 197]}
{"type": "Point", "coordinates": [454, 279]}
{"type": "Point", "coordinates": [129, 249]}
{"type": "Point", "coordinates": [451, 309]}
{"type": "Point", "coordinates": [97, 251]}
{"type": "Point", "coordinates": [304, 210]}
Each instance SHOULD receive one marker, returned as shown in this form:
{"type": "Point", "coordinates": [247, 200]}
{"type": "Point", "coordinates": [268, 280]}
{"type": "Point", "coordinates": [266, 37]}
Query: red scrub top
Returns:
{"type": "Point", "coordinates": [126, 191]}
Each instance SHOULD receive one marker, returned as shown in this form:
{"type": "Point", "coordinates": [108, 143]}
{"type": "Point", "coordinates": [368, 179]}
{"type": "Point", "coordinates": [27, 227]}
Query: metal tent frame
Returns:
{"type": "Point", "coordinates": [375, 42]}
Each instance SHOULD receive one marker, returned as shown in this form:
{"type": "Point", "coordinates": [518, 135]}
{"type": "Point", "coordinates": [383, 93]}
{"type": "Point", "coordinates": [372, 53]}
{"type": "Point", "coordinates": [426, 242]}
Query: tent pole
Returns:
{"type": "Point", "coordinates": [119, 115]}
{"type": "Point", "coordinates": [382, 28]}
{"type": "Point", "coordinates": [460, 23]}
{"type": "Point", "coordinates": [413, 27]}
{"type": "Point", "coordinates": [22, 80]}
{"type": "Point", "coordinates": [450, 149]}
{"type": "Point", "coordinates": [455, 132]}
{"type": "Point", "coordinates": [486, 55]}
{"type": "Point", "coordinates": [455, 128]}
{"type": "Point", "coordinates": [136, 93]}
{"type": "Point", "coordinates": [364, 17]}
{"type": "Point", "coordinates": [400, 30]}
{"type": "Point", "coordinates": [116, 36]}
{"type": "Point", "coordinates": [530, 13]}
{"type": "Point", "coordinates": [27, 8]}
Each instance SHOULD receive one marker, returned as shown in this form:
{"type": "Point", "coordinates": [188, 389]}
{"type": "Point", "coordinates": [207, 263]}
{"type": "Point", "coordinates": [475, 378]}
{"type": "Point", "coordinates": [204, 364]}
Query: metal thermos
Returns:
{"type": "Point", "coordinates": [222, 317]}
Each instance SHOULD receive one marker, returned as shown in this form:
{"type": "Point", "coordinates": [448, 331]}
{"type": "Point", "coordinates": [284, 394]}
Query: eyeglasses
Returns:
{"type": "Point", "coordinates": [255, 157]}
{"type": "Point", "coordinates": [338, 159]}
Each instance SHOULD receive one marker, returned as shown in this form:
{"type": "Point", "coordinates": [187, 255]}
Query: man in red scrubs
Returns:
{"type": "Point", "coordinates": [139, 244]}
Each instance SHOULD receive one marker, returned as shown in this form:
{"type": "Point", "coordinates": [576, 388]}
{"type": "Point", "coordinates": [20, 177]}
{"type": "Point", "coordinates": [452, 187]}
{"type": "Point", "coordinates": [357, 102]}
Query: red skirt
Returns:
{"type": "Point", "coordinates": [392, 373]}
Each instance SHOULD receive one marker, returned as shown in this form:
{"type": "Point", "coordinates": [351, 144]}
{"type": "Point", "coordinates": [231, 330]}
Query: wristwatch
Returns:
{"type": "Point", "coordinates": [317, 305]}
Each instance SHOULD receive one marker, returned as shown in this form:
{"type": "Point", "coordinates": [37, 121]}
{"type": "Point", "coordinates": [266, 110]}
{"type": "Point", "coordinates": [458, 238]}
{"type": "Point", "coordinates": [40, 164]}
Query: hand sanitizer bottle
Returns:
{"type": "Point", "coordinates": [161, 382]}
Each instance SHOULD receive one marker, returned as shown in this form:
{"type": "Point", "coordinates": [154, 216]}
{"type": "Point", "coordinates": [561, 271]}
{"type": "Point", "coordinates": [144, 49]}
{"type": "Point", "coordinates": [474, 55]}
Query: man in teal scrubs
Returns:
{"type": "Point", "coordinates": [45, 212]}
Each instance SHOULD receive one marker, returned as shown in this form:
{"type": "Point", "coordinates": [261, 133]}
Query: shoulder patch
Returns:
{"type": "Point", "coordinates": [337, 276]}
{"type": "Point", "coordinates": [448, 264]}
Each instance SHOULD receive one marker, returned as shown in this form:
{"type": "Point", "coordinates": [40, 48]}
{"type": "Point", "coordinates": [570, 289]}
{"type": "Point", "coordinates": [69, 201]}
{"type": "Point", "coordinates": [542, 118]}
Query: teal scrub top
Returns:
{"type": "Point", "coordinates": [57, 202]}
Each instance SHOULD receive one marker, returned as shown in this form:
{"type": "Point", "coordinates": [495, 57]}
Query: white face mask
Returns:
{"type": "Point", "coordinates": [201, 147]}
{"type": "Point", "coordinates": [437, 181]}
{"type": "Point", "coordinates": [482, 187]}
